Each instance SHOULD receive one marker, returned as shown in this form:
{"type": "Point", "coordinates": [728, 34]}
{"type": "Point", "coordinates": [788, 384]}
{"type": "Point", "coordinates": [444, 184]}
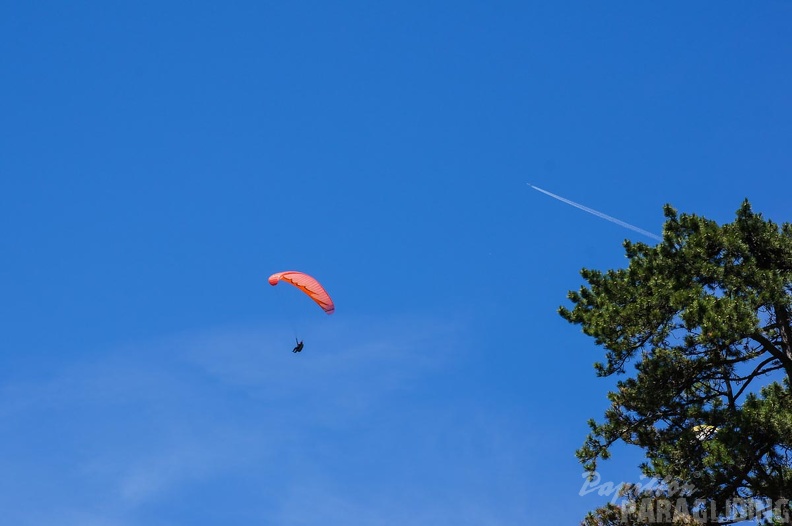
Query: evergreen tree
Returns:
{"type": "Point", "coordinates": [705, 319]}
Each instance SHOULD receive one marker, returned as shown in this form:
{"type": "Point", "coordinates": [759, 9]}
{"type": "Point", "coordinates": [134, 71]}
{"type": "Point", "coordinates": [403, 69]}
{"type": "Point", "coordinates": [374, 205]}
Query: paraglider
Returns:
{"type": "Point", "coordinates": [308, 285]}
{"type": "Point", "coordinates": [704, 432]}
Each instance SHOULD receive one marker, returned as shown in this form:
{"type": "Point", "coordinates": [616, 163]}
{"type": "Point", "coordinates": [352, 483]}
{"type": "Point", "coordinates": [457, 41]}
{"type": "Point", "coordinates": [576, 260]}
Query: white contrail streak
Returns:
{"type": "Point", "coordinates": [598, 214]}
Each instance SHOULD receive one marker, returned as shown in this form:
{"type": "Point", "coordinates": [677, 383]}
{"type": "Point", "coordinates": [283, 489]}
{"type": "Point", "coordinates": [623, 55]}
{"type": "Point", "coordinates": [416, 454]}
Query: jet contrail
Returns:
{"type": "Point", "coordinates": [598, 214]}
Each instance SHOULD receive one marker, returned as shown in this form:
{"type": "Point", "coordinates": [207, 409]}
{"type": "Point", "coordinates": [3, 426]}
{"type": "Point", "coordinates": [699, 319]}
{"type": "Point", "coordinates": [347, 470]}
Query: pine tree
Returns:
{"type": "Point", "coordinates": [705, 319]}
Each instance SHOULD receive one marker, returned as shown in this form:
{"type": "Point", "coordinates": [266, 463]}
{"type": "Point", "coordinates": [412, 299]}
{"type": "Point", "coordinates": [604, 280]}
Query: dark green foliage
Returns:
{"type": "Point", "coordinates": [704, 318]}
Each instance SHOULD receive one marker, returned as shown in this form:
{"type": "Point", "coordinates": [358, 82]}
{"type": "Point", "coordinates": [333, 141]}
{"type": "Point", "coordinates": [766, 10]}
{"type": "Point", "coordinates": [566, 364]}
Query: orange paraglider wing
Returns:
{"type": "Point", "coordinates": [308, 285]}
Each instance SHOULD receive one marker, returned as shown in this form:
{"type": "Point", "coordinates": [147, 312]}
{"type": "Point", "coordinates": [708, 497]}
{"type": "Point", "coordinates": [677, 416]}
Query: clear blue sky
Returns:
{"type": "Point", "coordinates": [158, 160]}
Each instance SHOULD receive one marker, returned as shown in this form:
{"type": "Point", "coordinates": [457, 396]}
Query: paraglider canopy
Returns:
{"type": "Point", "coordinates": [308, 285]}
{"type": "Point", "coordinates": [703, 432]}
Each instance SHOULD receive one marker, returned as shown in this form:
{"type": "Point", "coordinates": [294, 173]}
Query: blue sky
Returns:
{"type": "Point", "coordinates": [160, 160]}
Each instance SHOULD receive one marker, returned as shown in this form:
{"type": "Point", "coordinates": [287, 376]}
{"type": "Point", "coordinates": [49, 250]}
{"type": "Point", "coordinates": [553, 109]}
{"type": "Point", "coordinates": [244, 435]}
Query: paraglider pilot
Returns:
{"type": "Point", "coordinates": [299, 346]}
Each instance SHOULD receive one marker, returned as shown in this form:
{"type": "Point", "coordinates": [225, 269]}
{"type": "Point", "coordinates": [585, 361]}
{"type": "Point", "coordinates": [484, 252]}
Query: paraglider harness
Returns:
{"type": "Point", "coordinates": [299, 346]}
